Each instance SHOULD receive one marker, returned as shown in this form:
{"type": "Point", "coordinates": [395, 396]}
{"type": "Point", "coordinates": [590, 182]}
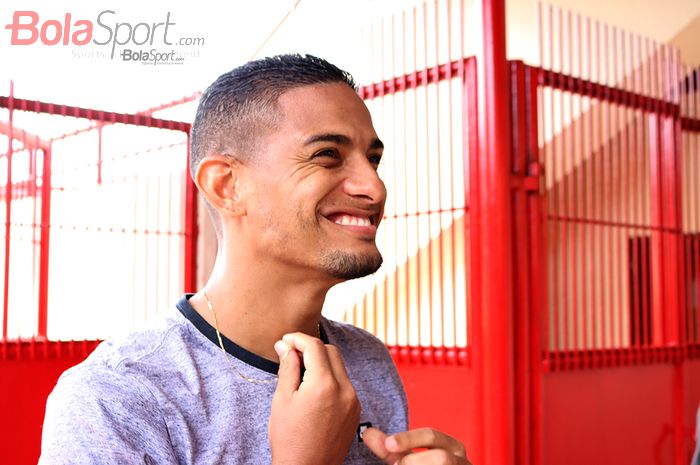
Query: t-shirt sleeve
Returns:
{"type": "Point", "coordinates": [99, 416]}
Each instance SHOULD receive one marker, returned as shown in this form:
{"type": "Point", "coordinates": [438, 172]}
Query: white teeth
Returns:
{"type": "Point", "coordinates": [347, 220]}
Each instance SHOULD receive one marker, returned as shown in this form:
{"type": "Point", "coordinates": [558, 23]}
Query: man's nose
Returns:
{"type": "Point", "coordinates": [363, 181]}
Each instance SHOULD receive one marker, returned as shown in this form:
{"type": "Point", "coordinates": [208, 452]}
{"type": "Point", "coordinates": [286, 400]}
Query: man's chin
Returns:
{"type": "Point", "coordinates": [345, 266]}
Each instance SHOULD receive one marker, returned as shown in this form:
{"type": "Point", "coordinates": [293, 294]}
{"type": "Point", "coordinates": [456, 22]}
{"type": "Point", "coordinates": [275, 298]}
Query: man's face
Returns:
{"type": "Point", "coordinates": [317, 197]}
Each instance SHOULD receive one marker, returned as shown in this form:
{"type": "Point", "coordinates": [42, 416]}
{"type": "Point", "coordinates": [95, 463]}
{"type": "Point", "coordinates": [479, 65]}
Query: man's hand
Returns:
{"type": "Point", "coordinates": [313, 421]}
{"type": "Point", "coordinates": [398, 448]}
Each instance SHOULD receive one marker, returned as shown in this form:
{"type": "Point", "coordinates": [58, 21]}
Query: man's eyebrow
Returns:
{"type": "Point", "coordinates": [376, 144]}
{"type": "Point", "coordinates": [336, 138]}
{"type": "Point", "coordinates": [340, 139]}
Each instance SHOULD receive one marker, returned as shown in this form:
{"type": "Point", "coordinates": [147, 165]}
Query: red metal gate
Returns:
{"type": "Point", "coordinates": [77, 185]}
{"type": "Point", "coordinates": [617, 207]}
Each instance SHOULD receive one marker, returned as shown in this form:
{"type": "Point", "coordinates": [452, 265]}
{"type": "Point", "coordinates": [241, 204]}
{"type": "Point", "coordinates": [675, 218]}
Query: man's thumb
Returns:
{"type": "Point", "coordinates": [289, 374]}
{"type": "Point", "coordinates": [374, 440]}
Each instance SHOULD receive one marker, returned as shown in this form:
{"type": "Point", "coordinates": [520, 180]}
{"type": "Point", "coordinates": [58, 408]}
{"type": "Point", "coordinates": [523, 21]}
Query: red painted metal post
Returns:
{"type": "Point", "coordinates": [672, 220]}
{"type": "Point", "coordinates": [656, 252]}
{"type": "Point", "coordinates": [495, 210]}
{"type": "Point", "coordinates": [190, 283]}
{"type": "Point", "coordinates": [44, 247]}
{"type": "Point", "coordinates": [538, 280]}
{"type": "Point", "coordinates": [521, 279]}
{"type": "Point", "coordinates": [474, 303]}
{"type": "Point", "coordinates": [8, 211]}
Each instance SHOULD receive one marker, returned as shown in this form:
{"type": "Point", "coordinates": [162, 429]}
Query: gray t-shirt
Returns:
{"type": "Point", "coordinates": [167, 395]}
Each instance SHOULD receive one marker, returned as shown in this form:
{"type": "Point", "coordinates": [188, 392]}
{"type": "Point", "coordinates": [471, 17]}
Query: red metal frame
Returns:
{"type": "Point", "coordinates": [8, 213]}
{"type": "Point", "coordinates": [44, 252]}
{"type": "Point", "coordinates": [33, 142]}
{"type": "Point", "coordinates": [494, 219]}
{"type": "Point", "coordinates": [191, 231]}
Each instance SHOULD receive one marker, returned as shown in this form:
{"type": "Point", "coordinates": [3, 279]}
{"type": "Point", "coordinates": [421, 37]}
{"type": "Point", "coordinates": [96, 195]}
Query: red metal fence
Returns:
{"type": "Point", "coordinates": [82, 256]}
{"type": "Point", "coordinates": [619, 197]}
{"type": "Point", "coordinates": [79, 193]}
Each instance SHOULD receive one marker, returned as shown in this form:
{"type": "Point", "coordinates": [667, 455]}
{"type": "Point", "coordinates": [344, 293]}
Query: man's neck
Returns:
{"type": "Point", "coordinates": [255, 310]}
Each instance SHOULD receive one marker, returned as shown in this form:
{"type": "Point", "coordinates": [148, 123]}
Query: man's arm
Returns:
{"type": "Point", "coordinates": [97, 416]}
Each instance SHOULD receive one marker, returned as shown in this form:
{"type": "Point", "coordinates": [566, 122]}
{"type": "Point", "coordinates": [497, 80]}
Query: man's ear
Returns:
{"type": "Point", "coordinates": [217, 178]}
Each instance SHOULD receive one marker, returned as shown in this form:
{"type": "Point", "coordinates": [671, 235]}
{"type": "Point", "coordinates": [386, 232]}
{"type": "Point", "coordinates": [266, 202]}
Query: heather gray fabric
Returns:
{"type": "Point", "coordinates": [696, 455]}
{"type": "Point", "coordinates": [166, 395]}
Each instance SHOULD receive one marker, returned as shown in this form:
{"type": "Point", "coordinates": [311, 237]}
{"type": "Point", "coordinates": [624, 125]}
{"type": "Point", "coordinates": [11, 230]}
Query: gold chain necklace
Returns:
{"type": "Point", "coordinates": [226, 355]}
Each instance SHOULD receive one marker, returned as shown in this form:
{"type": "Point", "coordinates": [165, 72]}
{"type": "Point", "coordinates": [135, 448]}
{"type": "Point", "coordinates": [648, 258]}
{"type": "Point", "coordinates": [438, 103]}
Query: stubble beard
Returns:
{"type": "Point", "coordinates": [345, 266]}
{"type": "Point", "coordinates": [340, 264]}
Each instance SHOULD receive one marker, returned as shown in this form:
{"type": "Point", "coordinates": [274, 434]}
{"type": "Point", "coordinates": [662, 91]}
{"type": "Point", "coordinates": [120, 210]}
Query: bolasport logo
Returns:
{"type": "Point", "coordinates": [108, 35]}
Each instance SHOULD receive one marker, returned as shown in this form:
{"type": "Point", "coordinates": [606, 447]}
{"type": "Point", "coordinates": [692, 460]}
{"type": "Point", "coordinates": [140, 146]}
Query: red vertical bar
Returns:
{"type": "Point", "coordinates": [382, 99]}
{"type": "Point", "coordinates": [692, 157]}
{"type": "Point", "coordinates": [521, 283]}
{"type": "Point", "coordinates": [618, 194]}
{"type": "Point", "coordinates": [44, 247]}
{"type": "Point", "coordinates": [657, 258]}
{"type": "Point", "coordinates": [643, 144]}
{"type": "Point", "coordinates": [571, 186]}
{"type": "Point", "coordinates": [562, 192]}
{"type": "Point", "coordinates": [169, 222]}
{"type": "Point", "coordinates": [157, 234]}
{"type": "Point", "coordinates": [394, 276]}
{"type": "Point", "coordinates": [672, 245]}
{"type": "Point", "coordinates": [624, 175]}
{"type": "Point", "coordinates": [634, 164]}
{"type": "Point", "coordinates": [8, 211]}
{"type": "Point", "coordinates": [589, 239]}
{"type": "Point", "coordinates": [453, 216]}
{"type": "Point", "coordinates": [406, 268]}
{"type": "Point", "coordinates": [538, 276]}
{"type": "Point", "coordinates": [452, 200]}
{"type": "Point", "coordinates": [558, 308]}
{"type": "Point", "coordinates": [191, 231]}
{"type": "Point", "coordinates": [99, 153]}
{"type": "Point", "coordinates": [609, 186]}
{"type": "Point", "coordinates": [428, 216]}
{"type": "Point", "coordinates": [440, 206]}
{"type": "Point", "coordinates": [417, 265]}
{"type": "Point", "coordinates": [496, 310]}
{"type": "Point", "coordinates": [598, 304]}
{"type": "Point", "coordinates": [474, 233]}
{"type": "Point", "coordinates": [579, 197]}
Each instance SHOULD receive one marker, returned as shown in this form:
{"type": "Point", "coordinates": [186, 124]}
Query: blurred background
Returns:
{"type": "Point", "coordinates": [541, 284]}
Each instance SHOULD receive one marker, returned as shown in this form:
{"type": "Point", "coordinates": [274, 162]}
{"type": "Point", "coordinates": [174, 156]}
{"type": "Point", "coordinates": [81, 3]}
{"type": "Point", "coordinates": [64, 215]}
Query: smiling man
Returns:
{"type": "Point", "coordinates": [246, 370]}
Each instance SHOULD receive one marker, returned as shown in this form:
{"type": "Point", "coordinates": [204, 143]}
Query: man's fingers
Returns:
{"type": "Point", "coordinates": [433, 457]}
{"type": "Point", "coordinates": [337, 365]}
{"type": "Point", "coordinates": [288, 376]}
{"type": "Point", "coordinates": [424, 437]}
{"type": "Point", "coordinates": [313, 352]}
{"type": "Point", "coordinates": [374, 439]}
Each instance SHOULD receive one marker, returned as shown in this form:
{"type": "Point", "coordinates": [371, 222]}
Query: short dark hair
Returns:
{"type": "Point", "coordinates": [242, 102]}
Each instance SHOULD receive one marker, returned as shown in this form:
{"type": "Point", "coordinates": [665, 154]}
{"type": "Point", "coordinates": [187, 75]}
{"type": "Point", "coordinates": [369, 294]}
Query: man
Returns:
{"type": "Point", "coordinates": [285, 155]}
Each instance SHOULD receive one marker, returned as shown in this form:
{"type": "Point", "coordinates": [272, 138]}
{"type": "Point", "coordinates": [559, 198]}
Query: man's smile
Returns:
{"type": "Point", "coordinates": [358, 221]}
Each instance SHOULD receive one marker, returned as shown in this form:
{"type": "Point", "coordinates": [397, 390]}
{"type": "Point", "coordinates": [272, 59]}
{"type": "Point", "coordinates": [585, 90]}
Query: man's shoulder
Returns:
{"type": "Point", "coordinates": [144, 349]}
{"type": "Point", "coordinates": [346, 331]}
{"type": "Point", "coordinates": [356, 342]}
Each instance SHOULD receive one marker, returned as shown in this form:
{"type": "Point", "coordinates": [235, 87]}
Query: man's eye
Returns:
{"type": "Point", "coordinates": [327, 153]}
{"type": "Point", "coordinates": [375, 159]}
